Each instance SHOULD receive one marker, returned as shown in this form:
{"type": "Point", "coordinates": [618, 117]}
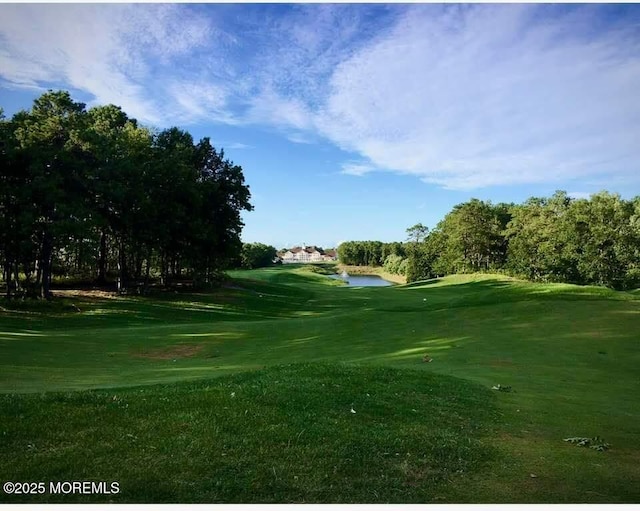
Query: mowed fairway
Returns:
{"type": "Point", "coordinates": [276, 433]}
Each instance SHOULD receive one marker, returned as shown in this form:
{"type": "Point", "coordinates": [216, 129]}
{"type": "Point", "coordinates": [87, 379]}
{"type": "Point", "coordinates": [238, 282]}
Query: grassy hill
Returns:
{"type": "Point", "coordinates": [570, 355]}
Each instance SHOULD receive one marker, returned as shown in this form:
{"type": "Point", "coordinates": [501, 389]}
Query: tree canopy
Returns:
{"type": "Point", "coordinates": [257, 255]}
{"type": "Point", "coordinates": [93, 193]}
{"type": "Point", "coordinates": [555, 239]}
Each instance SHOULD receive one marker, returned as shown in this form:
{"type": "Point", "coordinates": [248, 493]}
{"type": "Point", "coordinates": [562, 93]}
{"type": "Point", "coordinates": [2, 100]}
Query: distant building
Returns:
{"type": "Point", "coordinates": [304, 254]}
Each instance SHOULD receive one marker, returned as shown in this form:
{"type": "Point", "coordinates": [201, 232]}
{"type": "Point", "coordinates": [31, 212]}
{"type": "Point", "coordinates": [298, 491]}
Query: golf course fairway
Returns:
{"type": "Point", "coordinates": [286, 386]}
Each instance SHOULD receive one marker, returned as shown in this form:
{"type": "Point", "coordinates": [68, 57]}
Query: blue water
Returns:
{"type": "Point", "coordinates": [364, 280]}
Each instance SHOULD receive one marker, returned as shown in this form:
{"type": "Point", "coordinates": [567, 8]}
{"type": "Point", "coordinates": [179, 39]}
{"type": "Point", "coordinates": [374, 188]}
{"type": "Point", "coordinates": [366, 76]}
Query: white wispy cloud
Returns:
{"type": "Point", "coordinates": [237, 145]}
{"type": "Point", "coordinates": [357, 168]}
{"type": "Point", "coordinates": [41, 45]}
{"type": "Point", "coordinates": [449, 98]}
{"type": "Point", "coordinates": [461, 96]}
{"type": "Point", "coordinates": [123, 54]}
{"type": "Point", "coordinates": [199, 100]}
{"type": "Point", "coordinates": [298, 53]}
{"type": "Point", "coordinates": [270, 107]}
{"type": "Point", "coordinates": [300, 138]}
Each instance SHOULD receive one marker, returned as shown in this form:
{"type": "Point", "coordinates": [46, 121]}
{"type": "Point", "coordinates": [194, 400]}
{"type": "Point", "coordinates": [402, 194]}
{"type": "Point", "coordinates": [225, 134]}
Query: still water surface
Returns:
{"type": "Point", "coordinates": [364, 280]}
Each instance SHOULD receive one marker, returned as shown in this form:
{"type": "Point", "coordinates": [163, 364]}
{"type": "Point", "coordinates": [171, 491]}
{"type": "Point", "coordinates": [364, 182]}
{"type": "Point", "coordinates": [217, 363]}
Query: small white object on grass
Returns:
{"type": "Point", "coordinates": [424, 299]}
{"type": "Point", "coordinates": [352, 410]}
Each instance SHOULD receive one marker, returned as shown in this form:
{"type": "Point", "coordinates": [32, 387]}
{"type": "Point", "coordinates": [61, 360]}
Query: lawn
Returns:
{"type": "Point", "coordinates": [570, 355]}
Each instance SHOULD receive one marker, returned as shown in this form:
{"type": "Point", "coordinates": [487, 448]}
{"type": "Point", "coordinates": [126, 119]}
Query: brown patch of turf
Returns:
{"type": "Point", "coordinates": [171, 352]}
{"type": "Point", "coordinates": [501, 362]}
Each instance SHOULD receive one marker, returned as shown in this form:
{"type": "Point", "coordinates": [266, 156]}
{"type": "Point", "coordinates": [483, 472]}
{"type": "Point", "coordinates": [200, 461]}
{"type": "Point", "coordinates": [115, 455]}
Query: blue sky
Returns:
{"type": "Point", "coordinates": [357, 121]}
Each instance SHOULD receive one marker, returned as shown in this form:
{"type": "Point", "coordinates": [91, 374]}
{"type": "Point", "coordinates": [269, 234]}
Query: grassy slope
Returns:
{"type": "Point", "coordinates": [286, 434]}
{"type": "Point", "coordinates": [569, 352]}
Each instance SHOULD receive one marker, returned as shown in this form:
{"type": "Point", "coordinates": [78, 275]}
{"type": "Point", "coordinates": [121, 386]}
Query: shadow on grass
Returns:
{"type": "Point", "coordinates": [422, 283]}
{"type": "Point", "coordinates": [421, 297]}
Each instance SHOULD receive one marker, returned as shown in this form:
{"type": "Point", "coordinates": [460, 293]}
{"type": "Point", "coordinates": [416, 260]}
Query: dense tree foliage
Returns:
{"type": "Point", "coordinates": [257, 255]}
{"type": "Point", "coordinates": [471, 238]}
{"type": "Point", "coordinates": [556, 239]}
{"type": "Point", "coordinates": [582, 241]}
{"type": "Point", "coordinates": [395, 264]}
{"type": "Point", "coordinates": [417, 265]}
{"type": "Point", "coordinates": [535, 236]}
{"type": "Point", "coordinates": [368, 253]}
{"type": "Point", "coordinates": [91, 193]}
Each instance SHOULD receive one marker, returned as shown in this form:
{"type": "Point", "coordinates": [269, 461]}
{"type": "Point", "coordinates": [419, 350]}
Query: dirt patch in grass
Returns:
{"type": "Point", "coordinates": [501, 362]}
{"type": "Point", "coordinates": [170, 352]}
{"type": "Point", "coordinates": [228, 296]}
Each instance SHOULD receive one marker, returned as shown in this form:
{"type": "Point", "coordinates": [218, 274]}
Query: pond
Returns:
{"type": "Point", "coordinates": [363, 280]}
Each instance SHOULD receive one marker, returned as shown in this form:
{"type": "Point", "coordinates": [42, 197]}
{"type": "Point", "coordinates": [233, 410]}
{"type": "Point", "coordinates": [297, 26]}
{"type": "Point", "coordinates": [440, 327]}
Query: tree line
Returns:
{"type": "Point", "coordinates": [90, 192]}
{"type": "Point", "coordinates": [555, 239]}
{"type": "Point", "coordinates": [368, 253]}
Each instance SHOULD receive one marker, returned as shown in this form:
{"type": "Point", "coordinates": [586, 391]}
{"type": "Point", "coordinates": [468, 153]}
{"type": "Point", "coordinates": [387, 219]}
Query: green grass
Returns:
{"type": "Point", "coordinates": [569, 353]}
{"type": "Point", "coordinates": [286, 434]}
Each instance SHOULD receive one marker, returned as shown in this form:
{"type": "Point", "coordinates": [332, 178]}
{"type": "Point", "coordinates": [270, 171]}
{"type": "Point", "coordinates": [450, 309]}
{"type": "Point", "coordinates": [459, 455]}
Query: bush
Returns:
{"type": "Point", "coordinates": [632, 279]}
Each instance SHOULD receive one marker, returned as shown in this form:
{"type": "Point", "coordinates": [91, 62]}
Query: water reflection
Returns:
{"type": "Point", "coordinates": [362, 280]}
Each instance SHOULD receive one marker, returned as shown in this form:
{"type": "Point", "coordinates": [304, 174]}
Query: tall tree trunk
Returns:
{"type": "Point", "coordinates": [15, 282]}
{"type": "Point", "coordinates": [7, 278]}
{"type": "Point", "coordinates": [173, 266]}
{"type": "Point", "coordinates": [139, 261]}
{"type": "Point", "coordinates": [122, 266]}
{"type": "Point", "coordinates": [167, 274]}
{"type": "Point", "coordinates": [162, 275]}
{"type": "Point", "coordinates": [78, 254]}
{"type": "Point", "coordinates": [38, 272]}
{"type": "Point", "coordinates": [102, 258]}
{"type": "Point", "coordinates": [165, 270]}
{"type": "Point", "coordinates": [45, 263]}
{"type": "Point", "coordinates": [147, 272]}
